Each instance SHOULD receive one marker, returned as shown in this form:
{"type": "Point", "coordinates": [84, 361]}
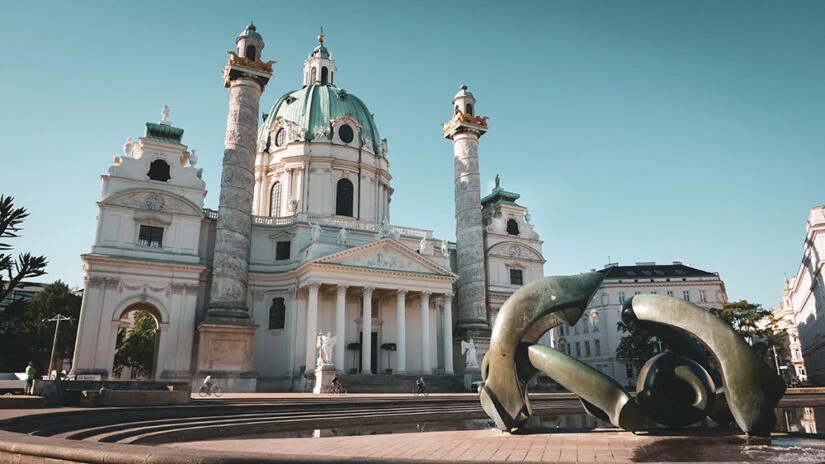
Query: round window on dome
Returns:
{"type": "Point", "coordinates": [280, 137]}
{"type": "Point", "coordinates": [345, 133]}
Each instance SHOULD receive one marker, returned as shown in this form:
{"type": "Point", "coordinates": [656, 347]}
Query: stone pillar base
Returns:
{"type": "Point", "coordinates": [225, 351]}
{"type": "Point", "coordinates": [470, 375]}
{"type": "Point", "coordinates": [323, 377]}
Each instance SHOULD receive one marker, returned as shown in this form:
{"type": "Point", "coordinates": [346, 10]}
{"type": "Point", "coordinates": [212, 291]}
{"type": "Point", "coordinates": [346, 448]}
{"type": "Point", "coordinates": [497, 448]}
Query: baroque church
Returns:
{"type": "Point", "coordinates": [301, 248]}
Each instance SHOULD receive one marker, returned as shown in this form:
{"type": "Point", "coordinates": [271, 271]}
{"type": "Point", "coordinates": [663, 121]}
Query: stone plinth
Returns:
{"type": "Point", "coordinates": [323, 377]}
{"type": "Point", "coordinates": [471, 374]}
{"type": "Point", "coordinates": [225, 352]}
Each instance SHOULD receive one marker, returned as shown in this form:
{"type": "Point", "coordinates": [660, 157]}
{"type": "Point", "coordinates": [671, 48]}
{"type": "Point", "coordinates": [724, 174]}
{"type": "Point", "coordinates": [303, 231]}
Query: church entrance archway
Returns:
{"type": "Point", "coordinates": [136, 345]}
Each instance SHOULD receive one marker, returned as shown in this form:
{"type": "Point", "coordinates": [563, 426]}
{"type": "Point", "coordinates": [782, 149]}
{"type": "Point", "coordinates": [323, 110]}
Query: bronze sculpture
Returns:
{"type": "Point", "coordinates": [674, 389]}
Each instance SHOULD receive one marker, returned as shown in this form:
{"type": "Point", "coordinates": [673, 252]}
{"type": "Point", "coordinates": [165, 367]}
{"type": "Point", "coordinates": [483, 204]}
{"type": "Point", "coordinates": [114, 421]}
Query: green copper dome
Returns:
{"type": "Point", "coordinates": [463, 92]}
{"type": "Point", "coordinates": [250, 32]}
{"type": "Point", "coordinates": [314, 106]}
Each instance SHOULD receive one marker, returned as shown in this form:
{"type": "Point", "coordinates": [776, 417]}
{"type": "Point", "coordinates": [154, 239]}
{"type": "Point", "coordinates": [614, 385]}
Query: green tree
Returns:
{"type": "Point", "coordinates": [747, 319]}
{"type": "Point", "coordinates": [26, 266]}
{"type": "Point", "coordinates": [29, 337]}
{"type": "Point", "coordinates": [636, 346]}
{"type": "Point", "coordinates": [136, 345]}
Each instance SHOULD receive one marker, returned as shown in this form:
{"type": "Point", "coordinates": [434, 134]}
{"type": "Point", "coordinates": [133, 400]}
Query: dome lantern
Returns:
{"type": "Point", "coordinates": [319, 68]}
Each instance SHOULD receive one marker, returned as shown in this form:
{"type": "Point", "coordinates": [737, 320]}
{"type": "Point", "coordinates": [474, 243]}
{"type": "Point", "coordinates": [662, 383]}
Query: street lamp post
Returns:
{"type": "Point", "coordinates": [57, 319]}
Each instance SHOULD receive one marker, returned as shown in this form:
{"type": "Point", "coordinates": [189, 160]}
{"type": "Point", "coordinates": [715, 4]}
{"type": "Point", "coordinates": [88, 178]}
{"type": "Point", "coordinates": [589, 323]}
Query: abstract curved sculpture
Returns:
{"type": "Point", "coordinates": [674, 389]}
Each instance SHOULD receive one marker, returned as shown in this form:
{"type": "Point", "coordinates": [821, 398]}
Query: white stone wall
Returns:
{"type": "Point", "coordinates": [806, 297]}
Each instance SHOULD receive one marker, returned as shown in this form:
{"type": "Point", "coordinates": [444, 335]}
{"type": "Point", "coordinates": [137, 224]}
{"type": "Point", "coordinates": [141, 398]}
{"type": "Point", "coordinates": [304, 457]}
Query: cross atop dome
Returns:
{"type": "Point", "coordinates": [319, 68]}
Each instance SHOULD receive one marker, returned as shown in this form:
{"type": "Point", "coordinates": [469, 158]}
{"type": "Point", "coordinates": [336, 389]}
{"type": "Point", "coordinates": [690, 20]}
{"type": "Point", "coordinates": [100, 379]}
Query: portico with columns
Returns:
{"type": "Point", "coordinates": [387, 291]}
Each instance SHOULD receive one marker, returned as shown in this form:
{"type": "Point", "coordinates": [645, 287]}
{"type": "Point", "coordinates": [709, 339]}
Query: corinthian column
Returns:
{"type": "Point", "coordinates": [366, 331]}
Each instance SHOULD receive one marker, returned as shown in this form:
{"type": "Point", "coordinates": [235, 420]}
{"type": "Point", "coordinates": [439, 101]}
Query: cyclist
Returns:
{"type": "Point", "coordinates": [208, 382]}
{"type": "Point", "coordinates": [420, 384]}
{"type": "Point", "coordinates": [335, 384]}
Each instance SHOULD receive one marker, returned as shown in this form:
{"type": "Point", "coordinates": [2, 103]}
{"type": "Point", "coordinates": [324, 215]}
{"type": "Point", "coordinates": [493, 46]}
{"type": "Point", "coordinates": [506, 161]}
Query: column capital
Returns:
{"type": "Point", "coordinates": [313, 284]}
{"type": "Point", "coordinates": [447, 296]}
{"type": "Point", "coordinates": [426, 294]}
{"type": "Point", "coordinates": [343, 287]}
{"type": "Point", "coordinates": [369, 290]}
{"type": "Point", "coordinates": [401, 292]}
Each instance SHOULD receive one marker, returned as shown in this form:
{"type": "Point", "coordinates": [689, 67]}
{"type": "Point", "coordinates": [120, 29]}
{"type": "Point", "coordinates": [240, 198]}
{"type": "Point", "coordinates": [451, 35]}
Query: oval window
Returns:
{"type": "Point", "coordinates": [280, 137]}
{"type": "Point", "coordinates": [345, 133]}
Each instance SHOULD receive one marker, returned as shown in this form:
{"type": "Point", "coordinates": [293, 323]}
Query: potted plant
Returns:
{"type": "Point", "coordinates": [354, 347]}
{"type": "Point", "coordinates": [388, 347]}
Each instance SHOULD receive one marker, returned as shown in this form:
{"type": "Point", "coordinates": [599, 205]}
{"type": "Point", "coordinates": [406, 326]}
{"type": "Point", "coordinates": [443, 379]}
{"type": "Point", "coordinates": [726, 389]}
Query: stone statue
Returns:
{"type": "Point", "coordinates": [445, 249]}
{"type": "Point", "coordinates": [382, 148]}
{"type": "Point", "coordinates": [316, 232]}
{"type": "Point", "coordinates": [342, 236]}
{"type": "Point", "coordinates": [422, 246]}
{"type": "Point", "coordinates": [193, 158]}
{"type": "Point", "coordinates": [324, 343]}
{"type": "Point", "coordinates": [527, 216]}
{"type": "Point", "coordinates": [292, 205]}
{"type": "Point", "coordinates": [468, 349]}
{"type": "Point", "coordinates": [498, 180]}
{"type": "Point", "coordinates": [321, 133]}
{"type": "Point", "coordinates": [164, 113]}
{"type": "Point", "coordinates": [384, 231]}
{"type": "Point", "coordinates": [128, 147]}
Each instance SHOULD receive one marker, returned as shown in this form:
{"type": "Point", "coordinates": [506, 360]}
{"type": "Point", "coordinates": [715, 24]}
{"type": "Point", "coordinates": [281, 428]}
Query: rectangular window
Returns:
{"type": "Point", "coordinates": [587, 349]}
{"type": "Point", "coordinates": [515, 277]}
{"type": "Point", "coordinates": [703, 297]}
{"type": "Point", "coordinates": [282, 250]}
{"type": "Point", "coordinates": [578, 350]}
{"type": "Point", "coordinates": [629, 370]}
{"type": "Point", "coordinates": [586, 326]}
{"type": "Point", "coordinates": [621, 298]}
{"type": "Point", "coordinates": [686, 295]}
{"type": "Point", "coordinates": [670, 293]}
{"type": "Point", "coordinates": [598, 347]}
{"type": "Point", "coordinates": [277, 314]}
{"type": "Point", "coordinates": [150, 236]}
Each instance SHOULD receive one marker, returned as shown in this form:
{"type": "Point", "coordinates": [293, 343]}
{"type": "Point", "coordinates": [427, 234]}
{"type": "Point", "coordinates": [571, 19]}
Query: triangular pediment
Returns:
{"type": "Point", "coordinates": [385, 255]}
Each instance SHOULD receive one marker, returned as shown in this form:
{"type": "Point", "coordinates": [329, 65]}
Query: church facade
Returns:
{"type": "Point", "coordinates": [302, 245]}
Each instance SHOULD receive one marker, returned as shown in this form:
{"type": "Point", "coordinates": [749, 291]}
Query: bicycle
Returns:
{"type": "Point", "coordinates": [420, 390]}
{"type": "Point", "coordinates": [339, 390]}
{"type": "Point", "coordinates": [214, 390]}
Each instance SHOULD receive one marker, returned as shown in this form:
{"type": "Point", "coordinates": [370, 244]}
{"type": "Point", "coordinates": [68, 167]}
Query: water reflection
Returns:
{"type": "Point", "coordinates": [799, 420]}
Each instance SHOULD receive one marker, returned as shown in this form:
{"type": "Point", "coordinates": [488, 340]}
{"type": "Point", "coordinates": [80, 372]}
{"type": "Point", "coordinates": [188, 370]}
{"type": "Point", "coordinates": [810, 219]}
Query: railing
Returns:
{"type": "Point", "coordinates": [210, 213]}
{"type": "Point", "coordinates": [338, 221]}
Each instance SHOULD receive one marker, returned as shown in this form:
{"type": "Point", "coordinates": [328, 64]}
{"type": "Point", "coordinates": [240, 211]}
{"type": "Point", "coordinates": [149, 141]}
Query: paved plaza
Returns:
{"type": "Point", "coordinates": [417, 443]}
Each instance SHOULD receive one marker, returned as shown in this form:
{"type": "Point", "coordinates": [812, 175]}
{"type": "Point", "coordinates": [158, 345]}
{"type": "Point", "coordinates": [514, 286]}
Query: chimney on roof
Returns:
{"type": "Point", "coordinates": [609, 265]}
{"type": "Point", "coordinates": [677, 262]}
{"type": "Point", "coordinates": [646, 263]}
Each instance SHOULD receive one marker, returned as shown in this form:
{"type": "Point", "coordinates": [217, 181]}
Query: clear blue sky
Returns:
{"type": "Point", "coordinates": [638, 131]}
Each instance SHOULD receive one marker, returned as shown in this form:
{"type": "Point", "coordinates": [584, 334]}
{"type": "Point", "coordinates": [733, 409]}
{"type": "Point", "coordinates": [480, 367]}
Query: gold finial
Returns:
{"type": "Point", "coordinates": [321, 37]}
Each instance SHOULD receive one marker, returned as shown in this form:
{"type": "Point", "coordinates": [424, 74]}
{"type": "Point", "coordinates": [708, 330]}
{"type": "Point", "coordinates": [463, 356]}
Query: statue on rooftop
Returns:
{"type": "Point", "coordinates": [164, 113]}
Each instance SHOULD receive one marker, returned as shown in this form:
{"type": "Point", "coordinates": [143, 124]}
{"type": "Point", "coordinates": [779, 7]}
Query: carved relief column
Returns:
{"type": "Point", "coordinates": [246, 79]}
{"type": "Point", "coordinates": [447, 336]}
{"type": "Point", "coordinates": [340, 327]}
{"type": "Point", "coordinates": [312, 324]}
{"type": "Point", "coordinates": [464, 130]}
{"type": "Point", "coordinates": [366, 330]}
{"type": "Point", "coordinates": [426, 365]}
{"type": "Point", "coordinates": [401, 315]}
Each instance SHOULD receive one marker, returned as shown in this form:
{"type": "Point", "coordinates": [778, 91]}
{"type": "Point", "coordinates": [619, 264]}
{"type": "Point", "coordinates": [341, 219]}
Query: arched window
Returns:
{"type": "Point", "coordinates": [275, 200]}
{"type": "Point", "coordinates": [469, 109]}
{"type": "Point", "coordinates": [324, 74]}
{"type": "Point", "coordinates": [312, 75]}
{"type": "Point", "coordinates": [250, 52]}
{"type": "Point", "coordinates": [331, 80]}
{"type": "Point", "coordinates": [280, 137]}
{"type": "Point", "coordinates": [512, 227]}
{"type": "Point", "coordinates": [343, 198]}
{"type": "Point", "coordinates": [159, 170]}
